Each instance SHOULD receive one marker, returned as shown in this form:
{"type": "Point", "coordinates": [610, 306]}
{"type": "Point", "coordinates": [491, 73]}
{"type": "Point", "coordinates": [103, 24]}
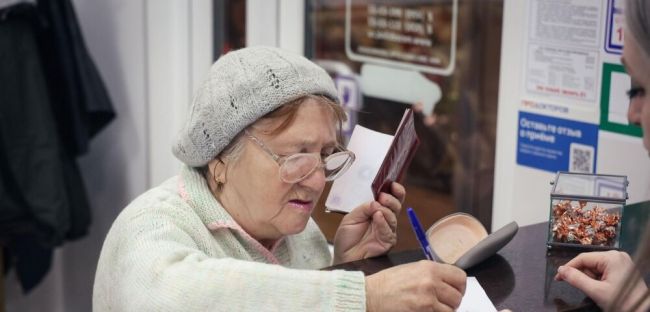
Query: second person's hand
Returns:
{"type": "Point", "coordinates": [600, 275]}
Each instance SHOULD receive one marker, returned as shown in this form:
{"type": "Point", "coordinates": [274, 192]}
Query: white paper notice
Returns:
{"type": "Point", "coordinates": [475, 298]}
{"type": "Point", "coordinates": [353, 187]}
{"type": "Point", "coordinates": [573, 22]}
{"type": "Point", "coordinates": [561, 71]}
{"type": "Point", "coordinates": [563, 48]}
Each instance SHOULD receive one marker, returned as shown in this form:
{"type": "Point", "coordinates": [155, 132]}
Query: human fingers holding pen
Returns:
{"type": "Point", "coordinates": [420, 286]}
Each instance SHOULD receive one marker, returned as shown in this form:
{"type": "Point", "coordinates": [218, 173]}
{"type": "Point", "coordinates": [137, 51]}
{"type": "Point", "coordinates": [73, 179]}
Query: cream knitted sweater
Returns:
{"type": "Point", "coordinates": [175, 248]}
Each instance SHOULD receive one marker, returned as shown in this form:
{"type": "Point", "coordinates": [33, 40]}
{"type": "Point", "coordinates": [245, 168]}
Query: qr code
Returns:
{"type": "Point", "coordinates": [581, 158]}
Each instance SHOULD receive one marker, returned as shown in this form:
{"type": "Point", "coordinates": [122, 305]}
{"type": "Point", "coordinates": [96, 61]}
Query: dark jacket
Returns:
{"type": "Point", "coordinates": [52, 101]}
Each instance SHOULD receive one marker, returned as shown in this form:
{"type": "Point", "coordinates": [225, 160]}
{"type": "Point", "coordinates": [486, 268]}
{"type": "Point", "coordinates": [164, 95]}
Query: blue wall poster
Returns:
{"type": "Point", "coordinates": [556, 144]}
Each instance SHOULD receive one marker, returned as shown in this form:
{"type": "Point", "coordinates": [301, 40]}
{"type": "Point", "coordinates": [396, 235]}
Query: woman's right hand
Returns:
{"type": "Point", "coordinates": [420, 286]}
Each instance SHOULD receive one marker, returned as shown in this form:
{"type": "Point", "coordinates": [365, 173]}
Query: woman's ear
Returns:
{"type": "Point", "coordinates": [217, 169]}
{"type": "Point", "coordinates": [220, 170]}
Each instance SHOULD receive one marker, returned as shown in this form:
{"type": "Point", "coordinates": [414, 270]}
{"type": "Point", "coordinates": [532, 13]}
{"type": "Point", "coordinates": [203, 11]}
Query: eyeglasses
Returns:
{"type": "Point", "coordinates": [297, 167]}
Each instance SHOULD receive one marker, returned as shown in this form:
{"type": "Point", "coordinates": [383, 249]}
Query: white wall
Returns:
{"type": "Point", "coordinates": [279, 23]}
{"type": "Point", "coordinates": [521, 193]}
{"type": "Point", "coordinates": [509, 84]}
{"type": "Point", "coordinates": [179, 55]}
{"type": "Point", "coordinates": [151, 55]}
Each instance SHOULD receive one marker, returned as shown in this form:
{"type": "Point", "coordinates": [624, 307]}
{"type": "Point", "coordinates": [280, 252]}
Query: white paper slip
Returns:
{"type": "Point", "coordinates": [475, 298]}
{"type": "Point", "coordinates": [353, 187]}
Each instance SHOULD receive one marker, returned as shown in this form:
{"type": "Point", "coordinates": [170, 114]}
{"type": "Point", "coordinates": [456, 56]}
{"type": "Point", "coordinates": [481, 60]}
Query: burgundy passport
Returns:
{"type": "Point", "coordinates": [399, 156]}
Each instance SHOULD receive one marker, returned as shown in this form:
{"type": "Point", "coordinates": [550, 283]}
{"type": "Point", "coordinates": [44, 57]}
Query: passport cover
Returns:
{"type": "Point", "coordinates": [399, 156]}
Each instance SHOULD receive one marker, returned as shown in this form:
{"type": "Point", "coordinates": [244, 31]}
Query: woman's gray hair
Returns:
{"type": "Point", "coordinates": [637, 17]}
{"type": "Point", "coordinates": [230, 153]}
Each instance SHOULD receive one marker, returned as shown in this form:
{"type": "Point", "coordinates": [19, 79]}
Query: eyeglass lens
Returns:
{"type": "Point", "coordinates": [299, 166]}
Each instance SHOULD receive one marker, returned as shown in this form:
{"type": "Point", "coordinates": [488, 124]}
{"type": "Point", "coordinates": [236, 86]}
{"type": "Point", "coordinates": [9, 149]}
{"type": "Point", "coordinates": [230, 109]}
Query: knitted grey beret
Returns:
{"type": "Point", "coordinates": [242, 86]}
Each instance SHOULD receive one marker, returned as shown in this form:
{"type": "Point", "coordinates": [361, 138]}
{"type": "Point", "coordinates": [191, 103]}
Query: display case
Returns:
{"type": "Point", "coordinates": [586, 210]}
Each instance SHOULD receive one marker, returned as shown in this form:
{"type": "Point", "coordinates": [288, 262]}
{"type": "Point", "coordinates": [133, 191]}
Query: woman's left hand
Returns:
{"type": "Point", "coordinates": [370, 229]}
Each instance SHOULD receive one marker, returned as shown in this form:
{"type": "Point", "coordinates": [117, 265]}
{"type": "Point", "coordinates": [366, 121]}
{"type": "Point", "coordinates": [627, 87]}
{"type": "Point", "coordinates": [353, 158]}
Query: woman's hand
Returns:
{"type": "Point", "coordinates": [600, 275]}
{"type": "Point", "coordinates": [420, 286]}
{"type": "Point", "coordinates": [370, 229]}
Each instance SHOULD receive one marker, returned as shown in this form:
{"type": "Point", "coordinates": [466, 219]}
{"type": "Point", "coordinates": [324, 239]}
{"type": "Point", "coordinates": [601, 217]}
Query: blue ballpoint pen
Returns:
{"type": "Point", "coordinates": [417, 228]}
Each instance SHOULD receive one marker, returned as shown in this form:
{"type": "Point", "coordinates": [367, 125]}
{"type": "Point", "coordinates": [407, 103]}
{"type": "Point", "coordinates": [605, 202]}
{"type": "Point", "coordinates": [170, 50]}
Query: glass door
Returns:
{"type": "Point", "coordinates": [440, 57]}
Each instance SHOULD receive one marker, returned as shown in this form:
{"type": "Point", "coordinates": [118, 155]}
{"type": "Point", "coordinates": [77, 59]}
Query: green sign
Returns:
{"type": "Point", "coordinates": [613, 115]}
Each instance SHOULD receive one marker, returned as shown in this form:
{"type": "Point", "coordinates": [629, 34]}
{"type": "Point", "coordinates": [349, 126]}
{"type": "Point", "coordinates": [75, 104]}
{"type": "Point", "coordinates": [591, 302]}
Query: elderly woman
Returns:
{"type": "Point", "coordinates": [601, 274]}
{"type": "Point", "coordinates": [233, 231]}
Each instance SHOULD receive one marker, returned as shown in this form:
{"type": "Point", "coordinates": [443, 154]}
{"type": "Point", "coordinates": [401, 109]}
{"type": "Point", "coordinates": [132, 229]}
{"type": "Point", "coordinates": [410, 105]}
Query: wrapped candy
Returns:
{"type": "Point", "coordinates": [573, 222]}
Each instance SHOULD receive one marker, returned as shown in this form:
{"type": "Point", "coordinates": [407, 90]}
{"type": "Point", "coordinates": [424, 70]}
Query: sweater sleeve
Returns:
{"type": "Point", "coordinates": [154, 263]}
